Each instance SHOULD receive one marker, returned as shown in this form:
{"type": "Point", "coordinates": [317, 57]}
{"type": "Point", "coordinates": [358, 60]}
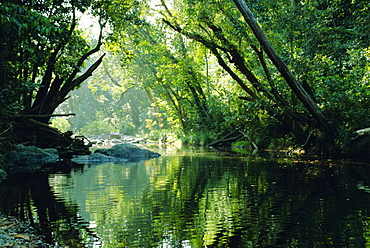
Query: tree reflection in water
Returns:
{"type": "Point", "coordinates": [30, 197]}
{"type": "Point", "coordinates": [199, 200]}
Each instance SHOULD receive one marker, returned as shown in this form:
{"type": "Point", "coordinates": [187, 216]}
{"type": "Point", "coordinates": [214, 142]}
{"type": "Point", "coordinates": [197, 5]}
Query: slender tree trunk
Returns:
{"type": "Point", "coordinates": [297, 88]}
{"type": "Point", "coordinates": [214, 49]}
{"type": "Point", "coordinates": [168, 92]}
{"type": "Point", "coordinates": [155, 107]}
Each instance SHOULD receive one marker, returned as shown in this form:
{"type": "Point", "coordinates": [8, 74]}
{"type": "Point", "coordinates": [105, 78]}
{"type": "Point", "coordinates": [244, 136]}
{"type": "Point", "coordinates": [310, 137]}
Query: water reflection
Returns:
{"type": "Point", "coordinates": [202, 200]}
{"type": "Point", "coordinates": [30, 197]}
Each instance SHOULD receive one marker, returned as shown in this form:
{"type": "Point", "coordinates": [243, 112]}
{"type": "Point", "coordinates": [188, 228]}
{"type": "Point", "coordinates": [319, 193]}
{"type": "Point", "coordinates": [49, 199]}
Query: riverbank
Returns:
{"type": "Point", "coordinates": [17, 233]}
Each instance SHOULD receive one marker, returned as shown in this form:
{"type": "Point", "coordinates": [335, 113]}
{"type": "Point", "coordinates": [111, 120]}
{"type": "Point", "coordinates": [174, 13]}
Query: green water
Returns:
{"type": "Point", "coordinates": [197, 198]}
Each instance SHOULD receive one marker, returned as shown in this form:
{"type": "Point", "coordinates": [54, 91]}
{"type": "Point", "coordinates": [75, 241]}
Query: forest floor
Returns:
{"type": "Point", "coordinates": [17, 233]}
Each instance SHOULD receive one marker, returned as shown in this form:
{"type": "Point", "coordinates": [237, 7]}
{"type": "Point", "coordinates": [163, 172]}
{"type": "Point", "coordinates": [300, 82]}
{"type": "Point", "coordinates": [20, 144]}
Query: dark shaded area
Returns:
{"type": "Point", "coordinates": [30, 132]}
{"type": "Point", "coordinates": [29, 197]}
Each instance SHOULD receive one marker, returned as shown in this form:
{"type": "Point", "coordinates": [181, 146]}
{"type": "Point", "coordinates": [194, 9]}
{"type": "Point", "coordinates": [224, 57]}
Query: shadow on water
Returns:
{"type": "Point", "coordinates": [308, 204]}
{"type": "Point", "coordinates": [198, 199]}
{"type": "Point", "coordinates": [30, 197]}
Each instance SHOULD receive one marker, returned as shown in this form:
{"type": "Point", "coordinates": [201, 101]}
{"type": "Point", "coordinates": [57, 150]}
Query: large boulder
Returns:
{"type": "Point", "coordinates": [29, 158]}
{"type": "Point", "coordinates": [31, 153]}
{"type": "Point", "coordinates": [128, 151]}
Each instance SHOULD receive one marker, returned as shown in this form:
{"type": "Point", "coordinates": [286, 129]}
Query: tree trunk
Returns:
{"type": "Point", "coordinates": [57, 94]}
{"type": "Point", "coordinates": [53, 92]}
{"type": "Point", "coordinates": [155, 107]}
{"type": "Point", "coordinates": [293, 83]}
{"type": "Point", "coordinates": [213, 48]}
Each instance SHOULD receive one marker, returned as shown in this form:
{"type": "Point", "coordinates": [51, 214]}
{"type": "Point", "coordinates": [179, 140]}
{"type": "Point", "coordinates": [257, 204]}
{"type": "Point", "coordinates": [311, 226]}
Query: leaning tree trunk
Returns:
{"type": "Point", "coordinates": [293, 83]}
{"type": "Point", "coordinates": [54, 90]}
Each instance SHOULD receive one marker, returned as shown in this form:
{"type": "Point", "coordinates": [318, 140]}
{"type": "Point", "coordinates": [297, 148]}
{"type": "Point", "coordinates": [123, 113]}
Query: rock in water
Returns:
{"type": "Point", "coordinates": [128, 151]}
{"type": "Point", "coordinates": [29, 158]}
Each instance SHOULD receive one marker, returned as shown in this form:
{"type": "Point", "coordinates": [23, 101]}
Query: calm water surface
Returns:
{"type": "Point", "coordinates": [197, 198]}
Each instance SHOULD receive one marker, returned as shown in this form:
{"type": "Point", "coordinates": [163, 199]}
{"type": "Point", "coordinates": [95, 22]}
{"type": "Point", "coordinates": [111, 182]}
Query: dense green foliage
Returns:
{"type": "Point", "coordinates": [199, 72]}
{"type": "Point", "coordinates": [41, 54]}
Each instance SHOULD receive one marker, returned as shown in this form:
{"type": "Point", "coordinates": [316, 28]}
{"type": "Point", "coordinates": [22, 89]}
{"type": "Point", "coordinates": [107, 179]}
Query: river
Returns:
{"type": "Point", "coordinates": [197, 198]}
